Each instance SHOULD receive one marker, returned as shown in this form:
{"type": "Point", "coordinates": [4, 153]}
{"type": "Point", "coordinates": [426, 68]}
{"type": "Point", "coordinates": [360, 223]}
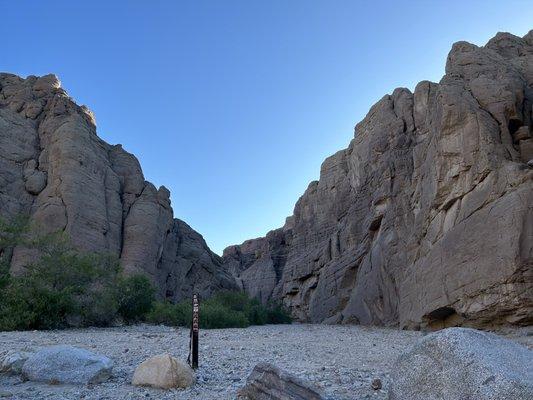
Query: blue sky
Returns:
{"type": "Point", "coordinates": [233, 105]}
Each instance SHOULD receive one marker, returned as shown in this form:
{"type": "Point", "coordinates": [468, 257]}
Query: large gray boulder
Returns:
{"type": "Point", "coordinates": [463, 364]}
{"type": "Point", "coordinates": [67, 364]}
{"type": "Point", "coordinates": [54, 168]}
{"type": "Point", "coordinates": [267, 382]}
{"type": "Point", "coordinates": [425, 220]}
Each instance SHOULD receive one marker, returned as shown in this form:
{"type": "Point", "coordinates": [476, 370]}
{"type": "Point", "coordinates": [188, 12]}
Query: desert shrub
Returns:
{"type": "Point", "coordinates": [166, 313]}
{"type": "Point", "coordinates": [136, 297]}
{"type": "Point", "coordinates": [237, 301]}
{"type": "Point", "coordinates": [256, 313]}
{"type": "Point", "coordinates": [223, 310]}
{"type": "Point", "coordinates": [15, 312]}
{"type": "Point", "coordinates": [5, 278]}
{"type": "Point", "coordinates": [65, 287]}
{"type": "Point", "coordinates": [216, 316]}
{"type": "Point", "coordinates": [277, 314]}
{"type": "Point", "coordinates": [10, 235]}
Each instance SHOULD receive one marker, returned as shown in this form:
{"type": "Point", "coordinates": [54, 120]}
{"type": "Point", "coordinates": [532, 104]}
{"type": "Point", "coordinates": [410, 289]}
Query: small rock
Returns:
{"type": "Point", "coordinates": [163, 372]}
{"type": "Point", "coordinates": [376, 384]}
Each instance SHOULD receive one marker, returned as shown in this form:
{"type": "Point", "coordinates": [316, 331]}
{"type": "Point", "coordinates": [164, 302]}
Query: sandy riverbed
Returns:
{"type": "Point", "coordinates": [342, 360]}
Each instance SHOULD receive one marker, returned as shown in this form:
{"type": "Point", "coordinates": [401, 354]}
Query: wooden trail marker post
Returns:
{"type": "Point", "coordinates": [195, 328]}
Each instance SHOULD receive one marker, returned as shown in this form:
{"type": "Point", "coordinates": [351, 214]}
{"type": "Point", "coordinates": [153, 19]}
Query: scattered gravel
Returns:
{"type": "Point", "coordinates": [343, 360]}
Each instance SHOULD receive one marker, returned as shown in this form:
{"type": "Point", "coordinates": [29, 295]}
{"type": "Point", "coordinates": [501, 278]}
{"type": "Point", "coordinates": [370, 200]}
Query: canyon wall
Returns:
{"type": "Point", "coordinates": [426, 219]}
{"type": "Point", "coordinates": [55, 169]}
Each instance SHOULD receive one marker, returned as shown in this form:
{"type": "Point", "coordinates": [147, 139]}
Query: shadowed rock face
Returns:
{"type": "Point", "coordinates": [55, 168]}
{"type": "Point", "coordinates": [426, 219]}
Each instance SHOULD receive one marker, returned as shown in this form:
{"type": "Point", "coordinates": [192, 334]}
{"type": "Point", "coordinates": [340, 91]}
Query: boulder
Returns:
{"type": "Point", "coordinates": [67, 364]}
{"type": "Point", "coordinates": [12, 361]}
{"type": "Point", "coordinates": [267, 382]}
{"type": "Point", "coordinates": [462, 364]}
{"type": "Point", "coordinates": [163, 372]}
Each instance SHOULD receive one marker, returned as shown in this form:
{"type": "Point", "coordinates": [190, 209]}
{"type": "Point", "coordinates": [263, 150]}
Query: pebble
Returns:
{"type": "Point", "coordinates": [376, 384]}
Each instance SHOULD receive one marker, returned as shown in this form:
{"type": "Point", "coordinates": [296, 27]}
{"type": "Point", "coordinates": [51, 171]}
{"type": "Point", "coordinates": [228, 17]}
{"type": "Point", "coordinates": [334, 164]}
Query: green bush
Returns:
{"type": "Point", "coordinates": [136, 297]}
{"type": "Point", "coordinates": [237, 301]}
{"type": "Point", "coordinates": [98, 307]}
{"type": "Point", "coordinates": [277, 314]}
{"type": "Point", "coordinates": [223, 310]}
{"type": "Point", "coordinates": [256, 313]}
{"type": "Point", "coordinates": [170, 314]}
{"type": "Point", "coordinates": [217, 316]}
{"type": "Point", "coordinates": [64, 287]}
{"type": "Point", "coordinates": [15, 312]}
{"type": "Point", "coordinates": [67, 288]}
{"type": "Point", "coordinates": [164, 314]}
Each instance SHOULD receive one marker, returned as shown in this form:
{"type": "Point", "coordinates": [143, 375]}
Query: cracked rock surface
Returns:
{"type": "Point", "coordinates": [426, 219]}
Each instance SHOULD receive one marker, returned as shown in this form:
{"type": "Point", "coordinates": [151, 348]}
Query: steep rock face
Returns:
{"type": "Point", "coordinates": [426, 219]}
{"type": "Point", "coordinates": [55, 168]}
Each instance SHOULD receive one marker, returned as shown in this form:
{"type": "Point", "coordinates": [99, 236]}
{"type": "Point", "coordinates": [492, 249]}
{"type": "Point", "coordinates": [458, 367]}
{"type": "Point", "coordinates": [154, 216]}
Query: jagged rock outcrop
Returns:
{"type": "Point", "coordinates": [55, 168]}
{"type": "Point", "coordinates": [426, 219]}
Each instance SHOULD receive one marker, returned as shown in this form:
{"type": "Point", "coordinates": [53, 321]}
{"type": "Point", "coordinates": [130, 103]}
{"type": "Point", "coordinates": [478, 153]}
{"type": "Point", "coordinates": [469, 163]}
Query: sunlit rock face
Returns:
{"type": "Point", "coordinates": [55, 168]}
{"type": "Point", "coordinates": [426, 219]}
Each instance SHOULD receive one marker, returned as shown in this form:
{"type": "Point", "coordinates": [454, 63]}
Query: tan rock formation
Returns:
{"type": "Point", "coordinates": [426, 219]}
{"type": "Point", "coordinates": [55, 168]}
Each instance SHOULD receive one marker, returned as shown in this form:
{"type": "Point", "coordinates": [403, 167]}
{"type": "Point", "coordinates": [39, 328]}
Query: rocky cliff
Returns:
{"type": "Point", "coordinates": [426, 219]}
{"type": "Point", "coordinates": [55, 168]}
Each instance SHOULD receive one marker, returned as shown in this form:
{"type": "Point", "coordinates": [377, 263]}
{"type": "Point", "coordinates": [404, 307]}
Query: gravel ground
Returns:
{"type": "Point", "coordinates": [342, 360]}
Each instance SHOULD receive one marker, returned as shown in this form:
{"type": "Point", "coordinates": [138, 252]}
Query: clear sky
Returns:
{"type": "Point", "coordinates": [233, 105]}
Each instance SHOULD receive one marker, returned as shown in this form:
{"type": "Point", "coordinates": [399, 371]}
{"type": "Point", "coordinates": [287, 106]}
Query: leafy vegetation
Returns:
{"type": "Point", "coordinates": [136, 297]}
{"type": "Point", "coordinates": [223, 310]}
{"type": "Point", "coordinates": [63, 287]}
